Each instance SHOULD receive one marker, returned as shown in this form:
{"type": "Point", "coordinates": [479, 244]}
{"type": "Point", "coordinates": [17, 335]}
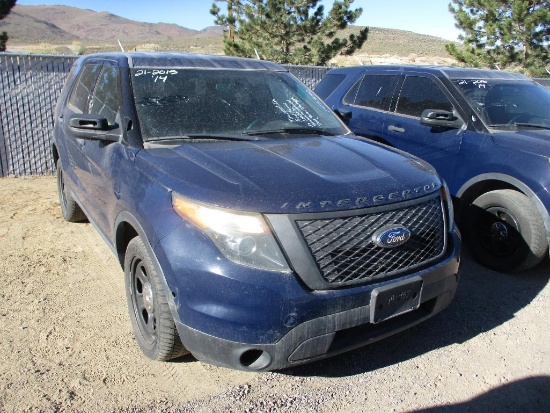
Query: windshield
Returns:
{"type": "Point", "coordinates": [233, 104]}
{"type": "Point", "coordinates": [507, 104]}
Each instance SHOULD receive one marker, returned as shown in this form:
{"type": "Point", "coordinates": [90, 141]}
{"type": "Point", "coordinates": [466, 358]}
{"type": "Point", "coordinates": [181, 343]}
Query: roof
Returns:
{"type": "Point", "coordinates": [450, 72]}
{"type": "Point", "coordinates": [471, 73]}
{"type": "Point", "coordinates": [188, 60]}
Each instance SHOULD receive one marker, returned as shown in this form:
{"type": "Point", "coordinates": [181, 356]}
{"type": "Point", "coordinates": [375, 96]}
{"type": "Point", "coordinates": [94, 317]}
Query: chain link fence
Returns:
{"type": "Point", "coordinates": [29, 88]}
{"type": "Point", "coordinates": [309, 75]}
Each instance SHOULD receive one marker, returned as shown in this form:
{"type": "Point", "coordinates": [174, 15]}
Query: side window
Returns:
{"type": "Point", "coordinates": [106, 97]}
{"type": "Point", "coordinates": [80, 95]}
{"type": "Point", "coordinates": [372, 91]}
{"type": "Point", "coordinates": [420, 93]}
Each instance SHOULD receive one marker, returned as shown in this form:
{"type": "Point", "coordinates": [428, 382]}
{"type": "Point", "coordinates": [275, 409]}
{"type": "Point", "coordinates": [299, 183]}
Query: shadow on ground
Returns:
{"type": "Point", "coordinates": [485, 300]}
{"type": "Point", "coordinates": [527, 395]}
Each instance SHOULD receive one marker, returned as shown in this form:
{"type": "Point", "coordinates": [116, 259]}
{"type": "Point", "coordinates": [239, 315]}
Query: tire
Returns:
{"type": "Point", "coordinates": [70, 210]}
{"type": "Point", "coordinates": [150, 314]}
{"type": "Point", "coordinates": [505, 231]}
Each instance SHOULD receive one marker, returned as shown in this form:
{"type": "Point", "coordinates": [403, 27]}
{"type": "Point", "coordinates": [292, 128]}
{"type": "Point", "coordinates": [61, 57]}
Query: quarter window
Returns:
{"type": "Point", "coordinates": [420, 93]}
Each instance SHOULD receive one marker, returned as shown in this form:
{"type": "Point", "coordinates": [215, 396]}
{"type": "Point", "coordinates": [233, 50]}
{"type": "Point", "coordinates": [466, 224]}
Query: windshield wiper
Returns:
{"type": "Point", "coordinates": [531, 125]}
{"type": "Point", "coordinates": [297, 131]}
{"type": "Point", "coordinates": [204, 136]}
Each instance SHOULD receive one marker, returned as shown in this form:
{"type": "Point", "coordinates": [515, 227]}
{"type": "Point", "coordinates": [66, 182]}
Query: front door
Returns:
{"type": "Point", "coordinates": [439, 146]}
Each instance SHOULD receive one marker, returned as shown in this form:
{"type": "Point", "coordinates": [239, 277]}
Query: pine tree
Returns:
{"type": "Point", "coordinates": [288, 31]}
{"type": "Point", "coordinates": [503, 34]}
{"type": "Point", "coordinates": [5, 7]}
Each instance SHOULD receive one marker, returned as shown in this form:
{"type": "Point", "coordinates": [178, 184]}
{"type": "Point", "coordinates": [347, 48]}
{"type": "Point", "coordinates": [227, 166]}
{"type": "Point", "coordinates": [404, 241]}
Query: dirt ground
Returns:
{"type": "Point", "coordinates": [66, 342]}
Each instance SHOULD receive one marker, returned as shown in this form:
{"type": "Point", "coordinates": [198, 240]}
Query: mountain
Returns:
{"type": "Point", "coordinates": [61, 24]}
{"type": "Point", "coordinates": [71, 30]}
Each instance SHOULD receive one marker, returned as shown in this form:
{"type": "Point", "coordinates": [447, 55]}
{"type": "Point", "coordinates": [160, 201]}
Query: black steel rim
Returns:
{"type": "Point", "coordinates": [499, 232]}
{"type": "Point", "coordinates": [143, 300]}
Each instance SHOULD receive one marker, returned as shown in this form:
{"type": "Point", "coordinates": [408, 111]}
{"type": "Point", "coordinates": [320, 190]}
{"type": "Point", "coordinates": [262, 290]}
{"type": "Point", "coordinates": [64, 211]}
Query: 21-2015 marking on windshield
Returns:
{"type": "Point", "coordinates": [156, 74]}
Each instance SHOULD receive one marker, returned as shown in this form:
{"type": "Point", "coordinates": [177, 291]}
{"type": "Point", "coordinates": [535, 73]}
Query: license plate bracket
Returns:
{"type": "Point", "coordinates": [395, 299]}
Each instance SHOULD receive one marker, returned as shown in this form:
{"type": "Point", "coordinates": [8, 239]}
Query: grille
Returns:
{"type": "Point", "coordinates": [345, 252]}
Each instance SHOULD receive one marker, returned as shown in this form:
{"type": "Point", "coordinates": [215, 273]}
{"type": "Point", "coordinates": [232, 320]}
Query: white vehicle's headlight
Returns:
{"type": "Point", "coordinates": [242, 237]}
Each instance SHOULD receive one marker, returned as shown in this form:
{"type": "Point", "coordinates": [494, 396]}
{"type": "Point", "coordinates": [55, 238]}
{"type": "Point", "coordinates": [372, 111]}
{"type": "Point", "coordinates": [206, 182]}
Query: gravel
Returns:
{"type": "Point", "coordinates": [66, 342]}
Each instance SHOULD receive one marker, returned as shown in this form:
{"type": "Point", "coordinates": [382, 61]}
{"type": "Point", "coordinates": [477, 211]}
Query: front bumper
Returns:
{"type": "Point", "coordinates": [327, 335]}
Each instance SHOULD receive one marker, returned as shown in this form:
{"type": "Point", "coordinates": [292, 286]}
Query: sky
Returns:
{"type": "Point", "coordinates": [420, 16]}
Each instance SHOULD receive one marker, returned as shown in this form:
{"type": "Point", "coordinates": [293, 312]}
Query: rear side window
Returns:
{"type": "Point", "coordinates": [80, 95]}
{"type": "Point", "coordinates": [328, 84]}
{"type": "Point", "coordinates": [372, 91]}
{"type": "Point", "coordinates": [420, 93]}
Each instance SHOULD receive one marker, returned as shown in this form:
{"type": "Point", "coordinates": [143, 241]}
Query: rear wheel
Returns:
{"type": "Point", "coordinates": [70, 210]}
{"type": "Point", "coordinates": [505, 231]}
{"type": "Point", "coordinates": [150, 314]}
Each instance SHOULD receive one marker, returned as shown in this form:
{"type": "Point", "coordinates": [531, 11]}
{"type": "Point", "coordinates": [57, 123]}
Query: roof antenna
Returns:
{"type": "Point", "coordinates": [120, 44]}
{"type": "Point", "coordinates": [257, 54]}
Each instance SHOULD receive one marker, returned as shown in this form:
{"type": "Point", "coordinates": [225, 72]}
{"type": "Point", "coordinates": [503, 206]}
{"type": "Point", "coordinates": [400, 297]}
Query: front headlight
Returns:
{"type": "Point", "coordinates": [242, 237]}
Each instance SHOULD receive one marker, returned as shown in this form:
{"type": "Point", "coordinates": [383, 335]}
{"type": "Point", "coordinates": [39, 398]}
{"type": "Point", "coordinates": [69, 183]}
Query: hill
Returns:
{"type": "Point", "coordinates": [71, 30]}
{"type": "Point", "coordinates": [27, 24]}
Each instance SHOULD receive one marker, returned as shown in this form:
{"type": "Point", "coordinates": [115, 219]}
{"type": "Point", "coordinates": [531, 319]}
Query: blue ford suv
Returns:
{"type": "Point", "coordinates": [486, 132]}
{"type": "Point", "coordinates": [255, 231]}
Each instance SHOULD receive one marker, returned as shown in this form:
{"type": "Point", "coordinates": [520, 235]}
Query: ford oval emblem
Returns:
{"type": "Point", "coordinates": [391, 236]}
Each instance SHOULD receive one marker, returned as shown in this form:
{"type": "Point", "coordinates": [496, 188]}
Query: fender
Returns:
{"type": "Point", "coordinates": [533, 197]}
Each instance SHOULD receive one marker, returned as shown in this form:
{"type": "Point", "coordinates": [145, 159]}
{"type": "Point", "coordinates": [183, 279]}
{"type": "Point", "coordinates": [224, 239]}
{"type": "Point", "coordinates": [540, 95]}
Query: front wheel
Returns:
{"type": "Point", "coordinates": [505, 231]}
{"type": "Point", "coordinates": [150, 314]}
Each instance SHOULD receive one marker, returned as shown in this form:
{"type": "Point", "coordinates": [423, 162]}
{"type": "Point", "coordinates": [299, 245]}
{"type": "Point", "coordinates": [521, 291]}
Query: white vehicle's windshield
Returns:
{"type": "Point", "coordinates": [506, 104]}
{"type": "Point", "coordinates": [178, 103]}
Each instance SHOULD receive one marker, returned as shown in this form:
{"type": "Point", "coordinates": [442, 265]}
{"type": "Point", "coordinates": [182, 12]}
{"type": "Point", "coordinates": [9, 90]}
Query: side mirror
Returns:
{"type": "Point", "coordinates": [89, 122]}
{"type": "Point", "coordinates": [440, 118]}
{"type": "Point", "coordinates": [94, 127]}
{"type": "Point", "coordinates": [343, 114]}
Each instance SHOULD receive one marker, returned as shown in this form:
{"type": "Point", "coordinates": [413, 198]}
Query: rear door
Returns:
{"type": "Point", "coordinates": [369, 101]}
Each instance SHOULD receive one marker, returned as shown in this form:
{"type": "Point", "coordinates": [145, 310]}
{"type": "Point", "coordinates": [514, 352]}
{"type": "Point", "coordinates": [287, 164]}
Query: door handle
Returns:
{"type": "Point", "coordinates": [396, 129]}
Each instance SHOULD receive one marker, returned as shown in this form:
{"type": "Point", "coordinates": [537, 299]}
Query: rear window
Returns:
{"type": "Point", "coordinates": [372, 91]}
{"type": "Point", "coordinates": [328, 84]}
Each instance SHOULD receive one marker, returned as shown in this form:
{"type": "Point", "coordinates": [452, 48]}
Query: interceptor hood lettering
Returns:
{"type": "Point", "coordinates": [313, 174]}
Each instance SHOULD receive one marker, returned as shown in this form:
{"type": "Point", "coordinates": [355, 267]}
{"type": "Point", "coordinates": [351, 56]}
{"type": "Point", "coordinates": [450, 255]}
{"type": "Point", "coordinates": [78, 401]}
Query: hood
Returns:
{"type": "Point", "coordinates": [534, 141]}
{"type": "Point", "coordinates": [310, 174]}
